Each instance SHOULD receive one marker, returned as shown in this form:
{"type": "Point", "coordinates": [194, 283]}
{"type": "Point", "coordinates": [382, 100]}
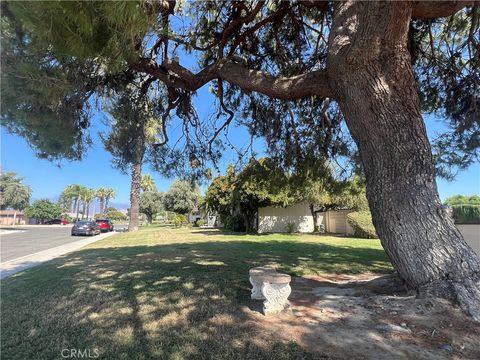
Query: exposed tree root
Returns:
{"type": "Point", "coordinates": [464, 292]}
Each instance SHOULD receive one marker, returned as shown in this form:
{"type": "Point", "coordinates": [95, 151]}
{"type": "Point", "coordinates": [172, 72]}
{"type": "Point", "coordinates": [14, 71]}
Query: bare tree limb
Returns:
{"type": "Point", "coordinates": [229, 112]}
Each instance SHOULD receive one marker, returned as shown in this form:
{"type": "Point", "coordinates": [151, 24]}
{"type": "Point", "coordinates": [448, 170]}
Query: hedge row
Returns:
{"type": "Point", "coordinates": [466, 214]}
{"type": "Point", "coordinates": [361, 222]}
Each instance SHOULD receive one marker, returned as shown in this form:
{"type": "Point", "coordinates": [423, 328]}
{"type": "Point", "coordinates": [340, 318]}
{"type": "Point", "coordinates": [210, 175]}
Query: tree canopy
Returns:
{"type": "Point", "coordinates": [114, 214]}
{"type": "Point", "coordinates": [294, 75]}
{"type": "Point", "coordinates": [104, 195]}
{"type": "Point", "coordinates": [43, 210]}
{"type": "Point", "coordinates": [182, 197]}
{"type": "Point", "coordinates": [151, 203]}
{"type": "Point", "coordinates": [148, 183]}
{"type": "Point", "coordinates": [13, 193]}
{"type": "Point", "coordinates": [463, 200]}
{"type": "Point", "coordinates": [62, 55]}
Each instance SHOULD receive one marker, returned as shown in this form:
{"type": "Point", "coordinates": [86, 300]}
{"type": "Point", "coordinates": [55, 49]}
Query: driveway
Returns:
{"type": "Point", "coordinates": [29, 240]}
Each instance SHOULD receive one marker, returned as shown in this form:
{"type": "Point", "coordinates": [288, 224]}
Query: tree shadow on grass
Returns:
{"type": "Point", "coordinates": [175, 301]}
{"type": "Point", "coordinates": [221, 231]}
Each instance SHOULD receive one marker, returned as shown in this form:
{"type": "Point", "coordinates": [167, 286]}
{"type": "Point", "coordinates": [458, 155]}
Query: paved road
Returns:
{"type": "Point", "coordinates": [31, 240]}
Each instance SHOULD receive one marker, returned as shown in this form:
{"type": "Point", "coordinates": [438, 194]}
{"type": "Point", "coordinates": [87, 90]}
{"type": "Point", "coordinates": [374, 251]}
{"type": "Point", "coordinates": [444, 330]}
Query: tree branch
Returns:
{"type": "Point", "coordinates": [171, 73]}
{"type": "Point", "coordinates": [437, 9]}
{"type": "Point", "coordinates": [284, 7]}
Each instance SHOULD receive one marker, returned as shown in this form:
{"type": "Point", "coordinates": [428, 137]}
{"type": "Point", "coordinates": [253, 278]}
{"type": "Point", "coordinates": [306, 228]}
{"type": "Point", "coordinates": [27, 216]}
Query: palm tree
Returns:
{"type": "Point", "coordinates": [88, 196]}
{"type": "Point", "coordinates": [78, 192]}
{"type": "Point", "coordinates": [68, 198]}
{"type": "Point", "coordinates": [109, 194]}
{"type": "Point", "coordinates": [101, 196]}
{"type": "Point", "coordinates": [13, 193]}
{"type": "Point", "coordinates": [148, 184]}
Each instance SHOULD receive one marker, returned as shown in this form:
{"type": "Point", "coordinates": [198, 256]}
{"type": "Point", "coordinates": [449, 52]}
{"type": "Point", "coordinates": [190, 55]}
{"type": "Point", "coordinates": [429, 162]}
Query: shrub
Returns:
{"type": "Point", "coordinates": [43, 210]}
{"type": "Point", "coordinates": [290, 227]}
{"type": "Point", "coordinates": [321, 228]}
{"type": "Point", "coordinates": [179, 220]}
{"type": "Point", "coordinates": [113, 214]}
{"type": "Point", "coordinates": [234, 222]}
{"type": "Point", "coordinates": [466, 214]}
{"type": "Point", "coordinates": [361, 221]}
{"type": "Point", "coordinates": [200, 222]}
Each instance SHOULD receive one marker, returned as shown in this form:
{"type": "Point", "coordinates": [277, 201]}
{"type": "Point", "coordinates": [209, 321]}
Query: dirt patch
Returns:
{"type": "Point", "coordinates": [369, 317]}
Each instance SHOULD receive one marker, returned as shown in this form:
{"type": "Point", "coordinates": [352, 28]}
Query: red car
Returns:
{"type": "Point", "coordinates": [105, 225]}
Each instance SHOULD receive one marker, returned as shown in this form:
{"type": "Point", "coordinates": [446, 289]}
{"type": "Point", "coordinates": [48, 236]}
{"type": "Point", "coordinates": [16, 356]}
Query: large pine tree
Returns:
{"type": "Point", "coordinates": [297, 71]}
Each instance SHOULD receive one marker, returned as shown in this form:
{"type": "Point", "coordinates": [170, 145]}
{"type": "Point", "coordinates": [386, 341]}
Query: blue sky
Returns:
{"type": "Point", "coordinates": [48, 179]}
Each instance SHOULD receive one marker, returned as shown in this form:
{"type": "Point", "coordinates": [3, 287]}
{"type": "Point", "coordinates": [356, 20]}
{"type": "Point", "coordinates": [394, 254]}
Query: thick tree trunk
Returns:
{"type": "Point", "coordinates": [135, 196]}
{"type": "Point", "coordinates": [149, 219]}
{"type": "Point", "coordinates": [136, 183]}
{"type": "Point", "coordinates": [370, 73]}
{"type": "Point", "coordinates": [314, 216]}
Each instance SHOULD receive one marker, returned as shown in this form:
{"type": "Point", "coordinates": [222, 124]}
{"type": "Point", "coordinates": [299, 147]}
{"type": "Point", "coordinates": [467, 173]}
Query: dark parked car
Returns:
{"type": "Point", "coordinates": [85, 227]}
{"type": "Point", "coordinates": [57, 222]}
{"type": "Point", "coordinates": [105, 224]}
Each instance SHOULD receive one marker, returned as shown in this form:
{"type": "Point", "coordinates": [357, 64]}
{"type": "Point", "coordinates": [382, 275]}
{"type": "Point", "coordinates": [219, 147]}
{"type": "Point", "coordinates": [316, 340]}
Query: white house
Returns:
{"type": "Point", "coordinates": [194, 215]}
{"type": "Point", "coordinates": [276, 219]}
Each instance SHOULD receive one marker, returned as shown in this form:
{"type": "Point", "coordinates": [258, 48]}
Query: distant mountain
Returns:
{"type": "Point", "coordinates": [119, 206]}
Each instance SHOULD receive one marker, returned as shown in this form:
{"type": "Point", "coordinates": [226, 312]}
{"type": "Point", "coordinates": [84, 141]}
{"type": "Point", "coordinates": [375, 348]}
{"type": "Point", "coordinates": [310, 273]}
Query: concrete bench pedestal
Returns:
{"type": "Point", "coordinates": [272, 287]}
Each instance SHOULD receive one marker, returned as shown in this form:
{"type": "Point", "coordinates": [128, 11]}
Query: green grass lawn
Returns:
{"type": "Point", "coordinates": [164, 293]}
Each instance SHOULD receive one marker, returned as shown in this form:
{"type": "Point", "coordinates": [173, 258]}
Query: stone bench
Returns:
{"type": "Point", "coordinates": [271, 286]}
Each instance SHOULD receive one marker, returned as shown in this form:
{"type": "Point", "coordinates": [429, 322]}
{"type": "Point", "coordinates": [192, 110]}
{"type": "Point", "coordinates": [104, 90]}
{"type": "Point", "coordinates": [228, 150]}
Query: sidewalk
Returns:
{"type": "Point", "coordinates": [6, 232]}
{"type": "Point", "coordinates": [13, 266]}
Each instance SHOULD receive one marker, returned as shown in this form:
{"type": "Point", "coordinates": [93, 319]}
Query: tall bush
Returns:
{"type": "Point", "coordinates": [234, 222]}
{"type": "Point", "coordinates": [43, 210]}
{"type": "Point", "coordinates": [179, 220]}
{"type": "Point", "coordinates": [362, 224]}
{"type": "Point", "coordinates": [466, 214]}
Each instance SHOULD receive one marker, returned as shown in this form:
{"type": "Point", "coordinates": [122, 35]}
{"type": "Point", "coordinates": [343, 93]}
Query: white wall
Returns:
{"type": "Point", "coordinates": [275, 219]}
{"type": "Point", "coordinates": [471, 234]}
{"type": "Point", "coordinates": [335, 221]}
